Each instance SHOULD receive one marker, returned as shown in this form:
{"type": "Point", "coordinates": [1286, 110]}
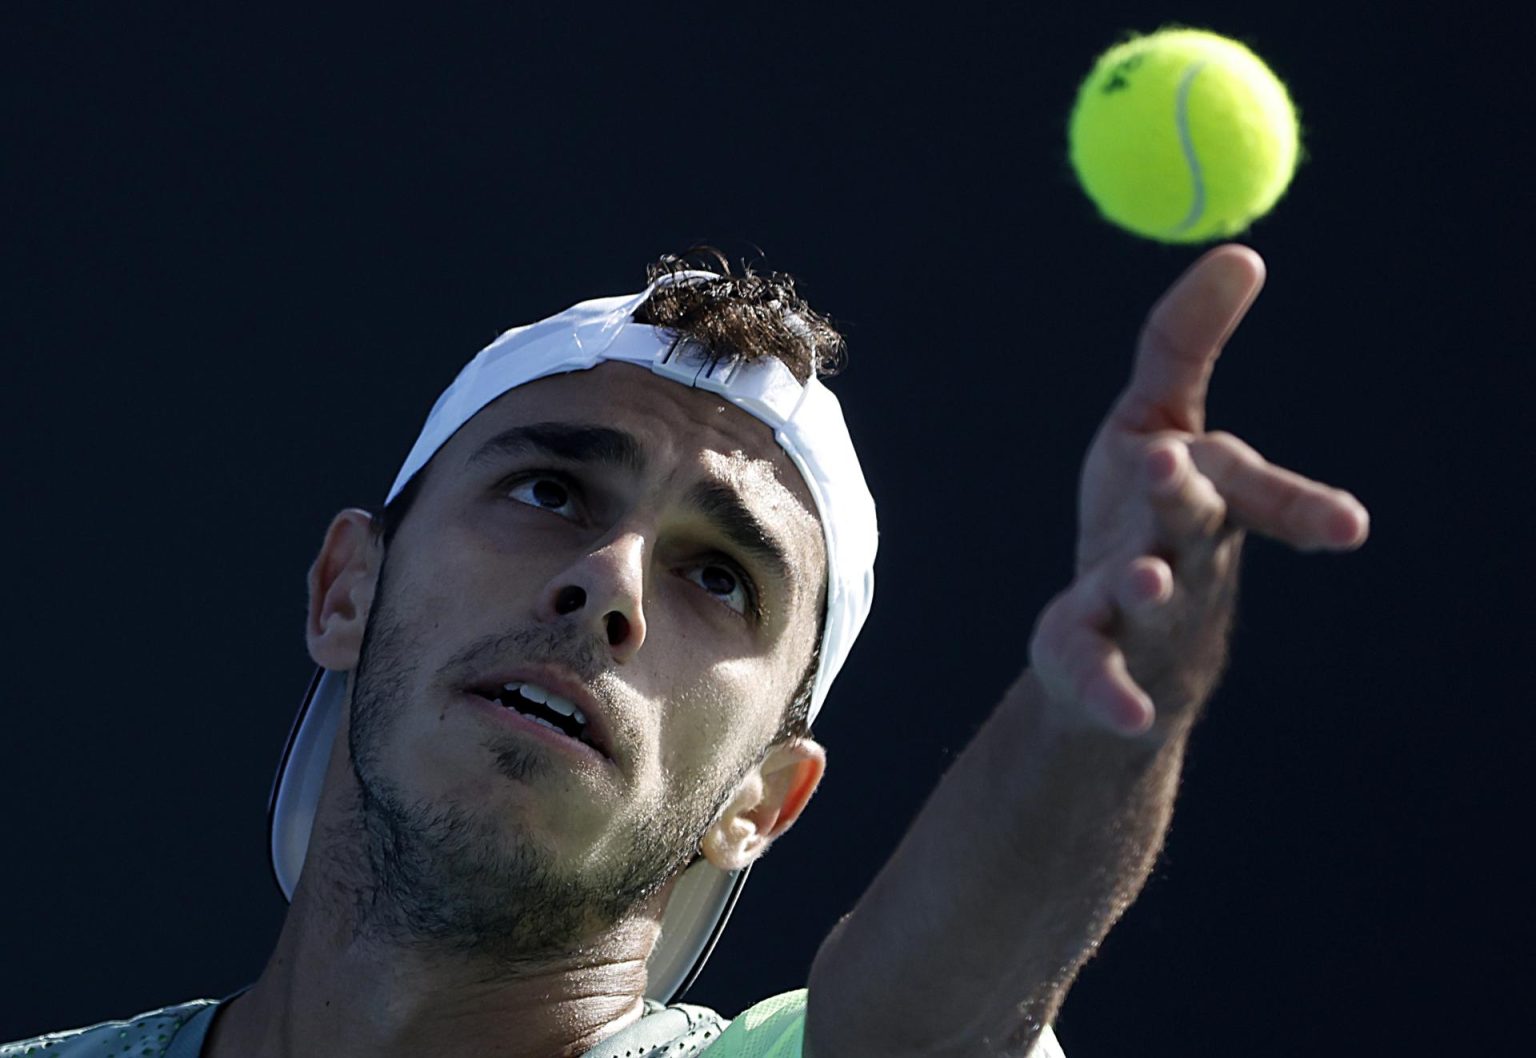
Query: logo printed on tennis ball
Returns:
{"type": "Point", "coordinates": [1116, 80]}
{"type": "Point", "coordinates": [1183, 136]}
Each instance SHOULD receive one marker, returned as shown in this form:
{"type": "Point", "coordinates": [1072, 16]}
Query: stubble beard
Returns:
{"type": "Point", "coordinates": [444, 878]}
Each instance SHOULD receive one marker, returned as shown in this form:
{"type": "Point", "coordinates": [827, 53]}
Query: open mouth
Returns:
{"type": "Point", "coordinates": [542, 706]}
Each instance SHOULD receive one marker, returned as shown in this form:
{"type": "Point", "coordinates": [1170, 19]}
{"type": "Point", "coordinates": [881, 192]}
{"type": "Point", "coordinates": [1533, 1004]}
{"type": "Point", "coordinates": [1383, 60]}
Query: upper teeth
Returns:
{"type": "Point", "coordinates": [534, 693]}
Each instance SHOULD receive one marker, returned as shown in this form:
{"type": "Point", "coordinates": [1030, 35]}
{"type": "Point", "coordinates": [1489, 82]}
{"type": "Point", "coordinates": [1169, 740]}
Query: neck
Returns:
{"type": "Point", "coordinates": [338, 987]}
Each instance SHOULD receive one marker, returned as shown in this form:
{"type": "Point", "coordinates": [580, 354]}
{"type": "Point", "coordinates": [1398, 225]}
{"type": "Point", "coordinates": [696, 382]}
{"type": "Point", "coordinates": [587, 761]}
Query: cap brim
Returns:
{"type": "Point", "coordinates": [696, 913]}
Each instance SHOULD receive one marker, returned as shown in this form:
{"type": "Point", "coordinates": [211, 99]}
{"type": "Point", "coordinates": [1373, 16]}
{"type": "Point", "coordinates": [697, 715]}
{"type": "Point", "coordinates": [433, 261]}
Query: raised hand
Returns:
{"type": "Point", "coordinates": [1138, 639]}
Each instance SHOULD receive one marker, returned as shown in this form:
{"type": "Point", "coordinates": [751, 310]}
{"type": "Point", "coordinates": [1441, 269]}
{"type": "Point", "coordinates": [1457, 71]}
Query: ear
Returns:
{"type": "Point", "coordinates": [766, 804]}
{"type": "Point", "coordinates": [341, 585]}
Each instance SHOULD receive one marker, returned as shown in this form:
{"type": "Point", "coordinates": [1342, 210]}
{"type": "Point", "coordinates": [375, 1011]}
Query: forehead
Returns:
{"type": "Point", "coordinates": [685, 436]}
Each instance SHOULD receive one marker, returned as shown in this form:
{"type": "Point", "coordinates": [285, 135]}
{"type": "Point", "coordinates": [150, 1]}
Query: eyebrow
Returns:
{"type": "Point", "coordinates": [724, 507]}
{"type": "Point", "coordinates": [577, 442]}
{"type": "Point", "coordinates": [721, 504]}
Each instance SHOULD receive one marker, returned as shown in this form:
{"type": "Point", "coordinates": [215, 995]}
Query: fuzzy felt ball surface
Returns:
{"type": "Point", "coordinates": [1183, 136]}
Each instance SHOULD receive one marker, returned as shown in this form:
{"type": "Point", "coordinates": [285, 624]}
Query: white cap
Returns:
{"type": "Point", "coordinates": [808, 424]}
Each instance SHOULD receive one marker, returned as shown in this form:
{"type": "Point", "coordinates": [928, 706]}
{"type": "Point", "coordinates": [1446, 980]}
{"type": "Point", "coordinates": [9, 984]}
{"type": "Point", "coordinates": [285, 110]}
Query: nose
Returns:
{"type": "Point", "coordinates": [603, 592]}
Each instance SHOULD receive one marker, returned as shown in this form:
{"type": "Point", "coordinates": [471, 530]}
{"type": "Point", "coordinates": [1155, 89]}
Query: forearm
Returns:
{"type": "Point", "coordinates": [1044, 830]}
{"type": "Point", "coordinates": [1035, 841]}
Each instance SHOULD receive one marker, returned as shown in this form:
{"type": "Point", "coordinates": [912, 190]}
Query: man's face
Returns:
{"type": "Point", "coordinates": [635, 547]}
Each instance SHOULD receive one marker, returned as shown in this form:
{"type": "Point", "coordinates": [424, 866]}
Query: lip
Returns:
{"type": "Point", "coordinates": [526, 726]}
{"type": "Point", "coordinates": [567, 687]}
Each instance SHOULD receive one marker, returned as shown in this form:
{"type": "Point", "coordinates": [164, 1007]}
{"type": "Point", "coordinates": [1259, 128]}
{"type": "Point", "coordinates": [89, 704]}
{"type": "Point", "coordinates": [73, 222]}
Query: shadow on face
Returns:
{"type": "Point", "coordinates": [575, 654]}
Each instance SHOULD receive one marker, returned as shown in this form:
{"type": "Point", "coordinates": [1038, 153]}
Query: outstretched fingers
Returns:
{"type": "Point", "coordinates": [1076, 656]}
{"type": "Point", "coordinates": [1187, 507]}
{"type": "Point", "coordinates": [1277, 502]}
{"type": "Point", "coordinates": [1183, 336]}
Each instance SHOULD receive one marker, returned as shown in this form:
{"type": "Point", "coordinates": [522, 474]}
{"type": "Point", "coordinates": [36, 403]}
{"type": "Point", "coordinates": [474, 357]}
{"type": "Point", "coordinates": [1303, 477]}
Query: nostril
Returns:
{"type": "Point", "coordinates": [618, 629]}
{"type": "Point", "coordinates": [569, 599]}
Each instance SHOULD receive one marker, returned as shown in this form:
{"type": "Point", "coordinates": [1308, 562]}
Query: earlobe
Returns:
{"type": "Point", "coordinates": [767, 804]}
{"type": "Point", "coordinates": [341, 586]}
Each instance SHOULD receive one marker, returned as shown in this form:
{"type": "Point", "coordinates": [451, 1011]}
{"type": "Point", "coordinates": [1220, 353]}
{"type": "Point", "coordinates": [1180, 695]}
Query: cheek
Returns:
{"type": "Point", "coordinates": [732, 709]}
{"type": "Point", "coordinates": [462, 580]}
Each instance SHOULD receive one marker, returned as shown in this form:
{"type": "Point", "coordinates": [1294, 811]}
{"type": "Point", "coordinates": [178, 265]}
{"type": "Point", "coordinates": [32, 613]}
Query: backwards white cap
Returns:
{"type": "Point", "coordinates": [808, 424]}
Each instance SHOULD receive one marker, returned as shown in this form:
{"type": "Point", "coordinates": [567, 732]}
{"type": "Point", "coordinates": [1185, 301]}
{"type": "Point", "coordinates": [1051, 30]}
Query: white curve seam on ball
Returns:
{"type": "Point", "coordinates": [1187, 142]}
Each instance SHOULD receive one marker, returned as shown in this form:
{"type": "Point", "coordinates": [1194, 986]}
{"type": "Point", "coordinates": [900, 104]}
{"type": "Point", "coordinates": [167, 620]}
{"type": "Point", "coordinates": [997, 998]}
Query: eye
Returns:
{"type": "Point", "coordinates": [724, 583]}
{"type": "Point", "coordinates": [546, 493]}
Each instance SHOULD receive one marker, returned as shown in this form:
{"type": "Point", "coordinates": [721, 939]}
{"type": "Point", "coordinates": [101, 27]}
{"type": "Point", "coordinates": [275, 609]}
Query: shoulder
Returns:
{"type": "Point", "coordinates": [145, 1036]}
{"type": "Point", "coordinates": [775, 1028]}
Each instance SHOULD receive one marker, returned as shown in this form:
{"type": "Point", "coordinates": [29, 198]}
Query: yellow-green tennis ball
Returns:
{"type": "Point", "coordinates": [1183, 136]}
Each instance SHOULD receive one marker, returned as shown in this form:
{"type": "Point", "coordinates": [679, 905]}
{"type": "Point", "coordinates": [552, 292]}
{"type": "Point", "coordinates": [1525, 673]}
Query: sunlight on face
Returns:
{"type": "Point", "coordinates": [635, 553]}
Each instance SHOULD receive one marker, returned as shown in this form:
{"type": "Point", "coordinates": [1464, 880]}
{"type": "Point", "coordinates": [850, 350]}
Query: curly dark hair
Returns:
{"type": "Point", "coordinates": [748, 315]}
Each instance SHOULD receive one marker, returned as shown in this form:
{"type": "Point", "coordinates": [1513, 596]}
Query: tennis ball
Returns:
{"type": "Point", "coordinates": [1183, 136]}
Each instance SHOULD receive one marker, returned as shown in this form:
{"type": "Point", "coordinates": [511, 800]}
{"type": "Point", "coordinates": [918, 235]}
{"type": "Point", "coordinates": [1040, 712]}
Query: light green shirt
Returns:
{"type": "Point", "coordinates": [678, 1031]}
{"type": "Point", "coordinates": [171, 1032]}
{"type": "Point", "coordinates": [774, 1028]}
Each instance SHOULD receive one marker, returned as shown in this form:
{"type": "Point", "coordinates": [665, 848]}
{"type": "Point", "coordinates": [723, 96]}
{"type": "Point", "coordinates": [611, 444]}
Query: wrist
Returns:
{"type": "Point", "coordinates": [1059, 719]}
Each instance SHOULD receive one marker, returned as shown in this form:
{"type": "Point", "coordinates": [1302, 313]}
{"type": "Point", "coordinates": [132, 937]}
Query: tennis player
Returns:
{"type": "Point", "coordinates": [567, 676]}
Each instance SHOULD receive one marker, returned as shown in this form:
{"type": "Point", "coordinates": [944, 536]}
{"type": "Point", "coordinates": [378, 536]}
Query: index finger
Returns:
{"type": "Point", "coordinates": [1183, 336]}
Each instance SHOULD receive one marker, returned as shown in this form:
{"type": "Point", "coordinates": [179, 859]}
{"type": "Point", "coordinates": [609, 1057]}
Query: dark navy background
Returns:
{"type": "Point", "coordinates": [245, 250]}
